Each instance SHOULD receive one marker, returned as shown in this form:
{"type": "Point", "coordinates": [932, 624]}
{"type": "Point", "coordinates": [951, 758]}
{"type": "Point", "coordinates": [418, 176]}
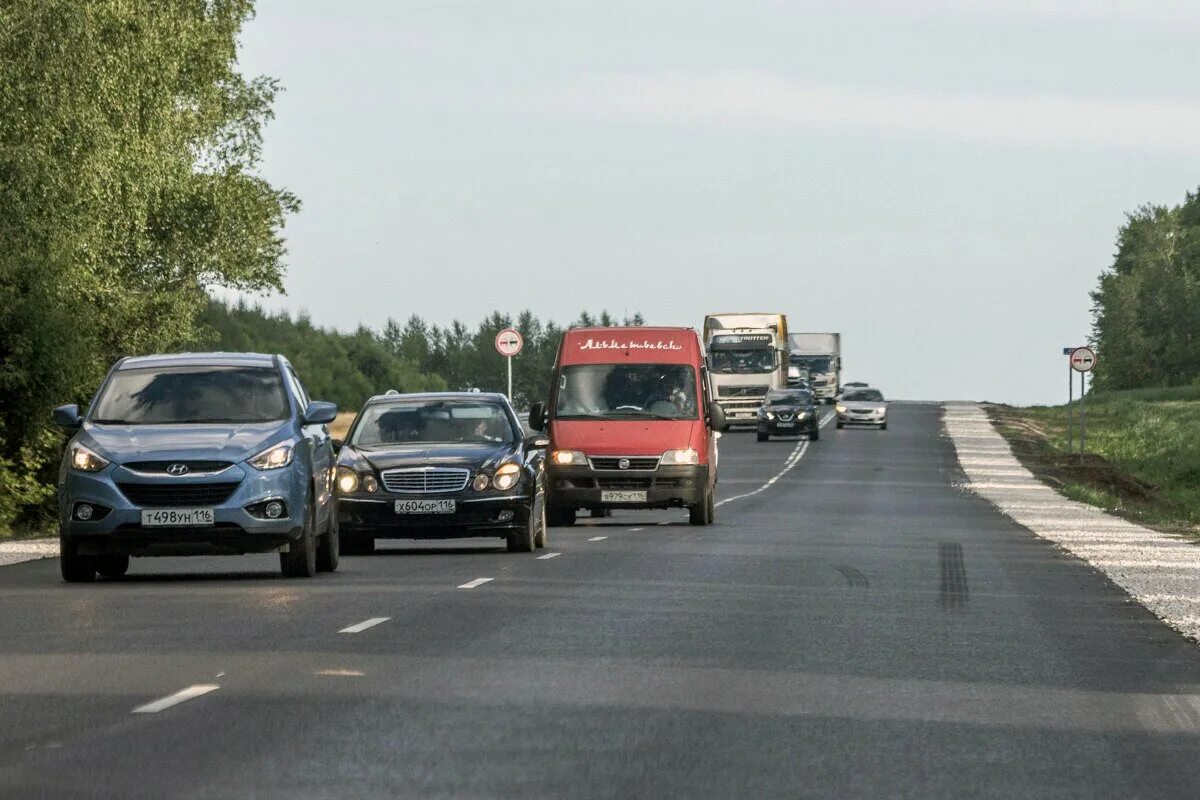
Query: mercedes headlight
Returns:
{"type": "Point", "coordinates": [347, 480]}
{"type": "Point", "coordinates": [85, 460]}
{"type": "Point", "coordinates": [278, 456]}
{"type": "Point", "coordinates": [506, 477]}
{"type": "Point", "coordinates": [688, 456]}
{"type": "Point", "coordinates": [568, 457]}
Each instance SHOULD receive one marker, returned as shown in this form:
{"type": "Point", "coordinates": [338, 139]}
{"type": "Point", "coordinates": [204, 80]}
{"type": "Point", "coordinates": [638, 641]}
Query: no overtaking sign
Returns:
{"type": "Point", "coordinates": [1083, 359]}
{"type": "Point", "coordinates": [509, 342]}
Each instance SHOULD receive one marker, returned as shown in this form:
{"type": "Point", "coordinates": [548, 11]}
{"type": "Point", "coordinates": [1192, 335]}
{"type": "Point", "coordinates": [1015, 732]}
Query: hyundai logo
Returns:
{"type": "Point", "coordinates": [623, 463]}
{"type": "Point", "coordinates": [177, 470]}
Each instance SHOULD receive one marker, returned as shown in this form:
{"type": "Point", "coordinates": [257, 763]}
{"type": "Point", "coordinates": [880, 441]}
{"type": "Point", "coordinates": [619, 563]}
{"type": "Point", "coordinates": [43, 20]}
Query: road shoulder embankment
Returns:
{"type": "Point", "coordinates": [19, 550]}
{"type": "Point", "coordinates": [1161, 571]}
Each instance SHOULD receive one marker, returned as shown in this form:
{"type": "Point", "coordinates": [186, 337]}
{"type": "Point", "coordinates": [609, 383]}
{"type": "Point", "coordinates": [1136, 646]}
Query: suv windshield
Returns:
{"type": "Point", "coordinates": [195, 395]}
{"type": "Point", "coordinates": [864, 396]}
{"type": "Point", "coordinates": [620, 391]}
{"type": "Point", "coordinates": [796, 398]}
{"type": "Point", "coordinates": [432, 421]}
{"type": "Point", "coordinates": [742, 362]}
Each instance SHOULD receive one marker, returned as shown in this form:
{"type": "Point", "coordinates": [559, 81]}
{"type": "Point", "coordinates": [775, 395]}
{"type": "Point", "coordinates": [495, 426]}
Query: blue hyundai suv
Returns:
{"type": "Point", "coordinates": [197, 454]}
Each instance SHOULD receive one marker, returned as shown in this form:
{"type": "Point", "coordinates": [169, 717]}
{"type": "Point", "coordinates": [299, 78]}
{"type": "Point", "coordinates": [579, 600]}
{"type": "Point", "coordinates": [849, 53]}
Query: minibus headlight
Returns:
{"type": "Point", "coordinates": [568, 457]}
{"type": "Point", "coordinates": [688, 456]}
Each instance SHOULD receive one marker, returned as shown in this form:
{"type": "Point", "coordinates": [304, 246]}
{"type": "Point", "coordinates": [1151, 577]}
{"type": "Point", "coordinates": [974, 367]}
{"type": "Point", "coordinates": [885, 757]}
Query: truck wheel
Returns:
{"type": "Point", "coordinates": [762, 437]}
{"type": "Point", "coordinates": [112, 566]}
{"type": "Point", "coordinates": [703, 512]}
{"type": "Point", "coordinates": [330, 549]}
{"type": "Point", "coordinates": [74, 567]}
{"type": "Point", "coordinates": [561, 517]}
{"type": "Point", "coordinates": [300, 561]}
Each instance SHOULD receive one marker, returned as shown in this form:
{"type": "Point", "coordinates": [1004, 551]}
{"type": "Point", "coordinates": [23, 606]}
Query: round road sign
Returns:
{"type": "Point", "coordinates": [1083, 359]}
{"type": "Point", "coordinates": [509, 342]}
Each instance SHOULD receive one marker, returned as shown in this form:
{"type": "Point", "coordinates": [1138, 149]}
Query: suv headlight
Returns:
{"type": "Point", "coordinates": [85, 460]}
{"type": "Point", "coordinates": [506, 477]}
{"type": "Point", "coordinates": [567, 457]}
{"type": "Point", "coordinates": [688, 456]}
{"type": "Point", "coordinates": [347, 480]}
{"type": "Point", "coordinates": [278, 456]}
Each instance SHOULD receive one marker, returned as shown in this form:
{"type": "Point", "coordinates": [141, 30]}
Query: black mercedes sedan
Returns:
{"type": "Point", "coordinates": [440, 466]}
{"type": "Point", "coordinates": [788, 412]}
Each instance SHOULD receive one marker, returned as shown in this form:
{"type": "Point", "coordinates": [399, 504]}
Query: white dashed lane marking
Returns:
{"type": "Point", "coordinates": [175, 699]}
{"type": "Point", "coordinates": [792, 460]}
{"type": "Point", "coordinates": [474, 583]}
{"type": "Point", "coordinates": [362, 626]}
{"type": "Point", "coordinates": [548, 556]}
{"type": "Point", "coordinates": [597, 538]}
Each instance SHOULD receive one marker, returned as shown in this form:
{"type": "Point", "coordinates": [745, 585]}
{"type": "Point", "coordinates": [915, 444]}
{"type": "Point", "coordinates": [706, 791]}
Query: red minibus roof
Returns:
{"type": "Point", "coordinates": [637, 345]}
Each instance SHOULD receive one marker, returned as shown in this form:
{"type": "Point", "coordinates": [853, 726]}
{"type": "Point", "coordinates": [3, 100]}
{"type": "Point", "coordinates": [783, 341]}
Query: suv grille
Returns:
{"type": "Point", "coordinates": [177, 494]}
{"type": "Point", "coordinates": [426, 479]}
{"type": "Point", "coordinates": [160, 467]}
{"type": "Point", "coordinates": [643, 463]}
{"type": "Point", "coordinates": [742, 391]}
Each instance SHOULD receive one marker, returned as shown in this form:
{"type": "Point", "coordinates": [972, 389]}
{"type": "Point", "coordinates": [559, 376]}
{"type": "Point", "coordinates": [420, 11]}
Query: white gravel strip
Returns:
{"type": "Point", "coordinates": [27, 550]}
{"type": "Point", "coordinates": [1160, 571]}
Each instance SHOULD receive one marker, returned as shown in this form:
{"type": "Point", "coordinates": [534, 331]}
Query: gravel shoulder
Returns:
{"type": "Point", "coordinates": [19, 550]}
{"type": "Point", "coordinates": [1160, 570]}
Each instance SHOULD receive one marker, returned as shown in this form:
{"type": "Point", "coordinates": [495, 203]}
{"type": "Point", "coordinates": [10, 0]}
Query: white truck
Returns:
{"type": "Point", "coordinates": [747, 357]}
{"type": "Point", "coordinates": [821, 354]}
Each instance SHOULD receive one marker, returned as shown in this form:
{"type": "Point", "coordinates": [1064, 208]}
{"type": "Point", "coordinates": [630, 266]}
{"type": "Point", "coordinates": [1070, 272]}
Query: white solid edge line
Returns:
{"type": "Point", "coordinates": [362, 626]}
{"type": "Point", "coordinates": [175, 699]}
{"type": "Point", "coordinates": [597, 538]}
{"type": "Point", "coordinates": [792, 460]}
{"type": "Point", "coordinates": [548, 555]}
{"type": "Point", "coordinates": [474, 583]}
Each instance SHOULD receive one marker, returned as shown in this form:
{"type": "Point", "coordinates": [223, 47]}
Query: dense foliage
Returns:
{"type": "Point", "coordinates": [1147, 306]}
{"type": "Point", "coordinates": [128, 149]}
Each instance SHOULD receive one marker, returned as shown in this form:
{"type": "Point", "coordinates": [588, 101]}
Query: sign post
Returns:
{"type": "Point", "coordinates": [508, 344]}
{"type": "Point", "coordinates": [1070, 399]}
{"type": "Point", "coordinates": [1083, 361]}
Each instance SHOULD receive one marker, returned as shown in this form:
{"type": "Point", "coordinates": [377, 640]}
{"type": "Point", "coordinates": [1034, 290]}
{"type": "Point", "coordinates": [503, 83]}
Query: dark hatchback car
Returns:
{"type": "Point", "coordinates": [197, 454]}
{"type": "Point", "coordinates": [788, 412]}
{"type": "Point", "coordinates": [440, 466]}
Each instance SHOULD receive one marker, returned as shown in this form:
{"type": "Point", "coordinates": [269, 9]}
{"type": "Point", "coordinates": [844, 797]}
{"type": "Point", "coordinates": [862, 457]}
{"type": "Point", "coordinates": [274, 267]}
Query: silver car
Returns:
{"type": "Point", "coordinates": [862, 407]}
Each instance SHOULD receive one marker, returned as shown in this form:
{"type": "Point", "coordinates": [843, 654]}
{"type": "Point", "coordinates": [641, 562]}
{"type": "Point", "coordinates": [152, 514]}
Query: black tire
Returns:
{"type": "Point", "coordinates": [883, 427]}
{"type": "Point", "coordinates": [703, 512]}
{"type": "Point", "coordinates": [330, 549]}
{"type": "Point", "coordinates": [74, 567]}
{"type": "Point", "coordinates": [111, 566]}
{"type": "Point", "coordinates": [525, 539]}
{"type": "Point", "coordinates": [543, 535]}
{"type": "Point", "coordinates": [561, 517]}
{"type": "Point", "coordinates": [762, 437]}
{"type": "Point", "coordinates": [840, 425]}
{"type": "Point", "coordinates": [814, 434]}
{"type": "Point", "coordinates": [300, 561]}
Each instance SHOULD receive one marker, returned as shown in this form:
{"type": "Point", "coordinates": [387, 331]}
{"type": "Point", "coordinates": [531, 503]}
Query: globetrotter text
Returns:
{"type": "Point", "coordinates": [613, 344]}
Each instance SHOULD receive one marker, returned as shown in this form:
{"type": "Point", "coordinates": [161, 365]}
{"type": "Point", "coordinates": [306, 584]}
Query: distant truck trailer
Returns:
{"type": "Point", "coordinates": [821, 355]}
{"type": "Point", "coordinates": [747, 357]}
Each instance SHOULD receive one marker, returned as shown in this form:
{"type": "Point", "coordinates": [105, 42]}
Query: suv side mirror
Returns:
{"type": "Point", "coordinates": [716, 416]}
{"type": "Point", "coordinates": [320, 413]}
{"type": "Point", "coordinates": [68, 416]}
{"type": "Point", "coordinates": [537, 416]}
{"type": "Point", "coordinates": [536, 441]}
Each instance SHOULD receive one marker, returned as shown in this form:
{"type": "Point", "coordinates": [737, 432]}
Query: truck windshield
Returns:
{"type": "Point", "coordinates": [192, 395]}
{"type": "Point", "coordinates": [743, 362]}
{"type": "Point", "coordinates": [626, 391]}
{"type": "Point", "coordinates": [814, 363]}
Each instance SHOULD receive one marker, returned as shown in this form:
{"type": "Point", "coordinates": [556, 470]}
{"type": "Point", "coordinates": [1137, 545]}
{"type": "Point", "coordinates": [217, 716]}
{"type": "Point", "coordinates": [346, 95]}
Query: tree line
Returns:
{"type": "Point", "coordinates": [1146, 308]}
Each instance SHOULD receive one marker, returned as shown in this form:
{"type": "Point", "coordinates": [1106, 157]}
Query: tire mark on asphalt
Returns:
{"type": "Point", "coordinates": [854, 578]}
{"type": "Point", "coordinates": [952, 584]}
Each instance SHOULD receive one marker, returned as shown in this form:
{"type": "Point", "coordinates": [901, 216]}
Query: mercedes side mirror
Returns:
{"type": "Point", "coordinates": [537, 416]}
{"type": "Point", "coordinates": [320, 413]}
{"type": "Point", "coordinates": [68, 416]}
{"type": "Point", "coordinates": [537, 441]}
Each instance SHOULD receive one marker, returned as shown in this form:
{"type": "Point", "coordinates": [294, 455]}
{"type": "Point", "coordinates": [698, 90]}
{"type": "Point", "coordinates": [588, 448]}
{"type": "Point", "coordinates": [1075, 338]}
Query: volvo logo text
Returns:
{"type": "Point", "coordinates": [177, 470]}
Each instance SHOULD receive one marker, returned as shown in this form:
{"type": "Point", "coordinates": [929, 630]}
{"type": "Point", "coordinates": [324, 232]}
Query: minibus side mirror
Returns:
{"type": "Point", "coordinates": [537, 416]}
{"type": "Point", "coordinates": [716, 416]}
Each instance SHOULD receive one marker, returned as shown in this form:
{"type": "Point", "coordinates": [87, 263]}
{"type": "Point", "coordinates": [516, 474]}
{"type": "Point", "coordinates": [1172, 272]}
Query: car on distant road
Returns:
{"type": "Point", "coordinates": [846, 387]}
{"type": "Point", "coordinates": [197, 454]}
{"type": "Point", "coordinates": [862, 407]}
{"type": "Point", "coordinates": [788, 412]}
{"type": "Point", "coordinates": [440, 466]}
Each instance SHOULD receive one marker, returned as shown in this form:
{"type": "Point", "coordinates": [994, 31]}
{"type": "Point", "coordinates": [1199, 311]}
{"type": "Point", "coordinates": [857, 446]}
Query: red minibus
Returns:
{"type": "Point", "coordinates": [631, 422]}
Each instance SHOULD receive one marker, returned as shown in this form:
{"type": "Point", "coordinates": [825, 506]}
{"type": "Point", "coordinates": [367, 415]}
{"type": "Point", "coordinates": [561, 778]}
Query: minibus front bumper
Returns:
{"type": "Point", "coordinates": [675, 486]}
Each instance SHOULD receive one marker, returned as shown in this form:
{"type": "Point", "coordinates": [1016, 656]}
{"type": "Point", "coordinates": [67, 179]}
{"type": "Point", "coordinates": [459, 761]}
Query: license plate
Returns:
{"type": "Point", "coordinates": [425, 506]}
{"type": "Point", "coordinates": [785, 424]}
{"type": "Point", "coordinates": [622, 497]}
{"type": "Point", "coordinates": [177, 517]}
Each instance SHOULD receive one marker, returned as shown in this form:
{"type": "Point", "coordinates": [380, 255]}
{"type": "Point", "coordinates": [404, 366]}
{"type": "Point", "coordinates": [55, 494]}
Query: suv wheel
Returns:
{"type": "Point", "coordinates": [300, 561]}
{"type": "Point", "coordinates": [74, 567]}
{"type": "Point", "coordinates": [112, 566]}
{"type": "Point", "coordinates": [329, 551]}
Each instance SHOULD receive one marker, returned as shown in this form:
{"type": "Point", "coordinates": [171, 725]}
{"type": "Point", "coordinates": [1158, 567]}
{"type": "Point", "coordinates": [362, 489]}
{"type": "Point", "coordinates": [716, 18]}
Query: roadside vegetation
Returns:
{"type": "Point", "coordinates": [1143, 453]}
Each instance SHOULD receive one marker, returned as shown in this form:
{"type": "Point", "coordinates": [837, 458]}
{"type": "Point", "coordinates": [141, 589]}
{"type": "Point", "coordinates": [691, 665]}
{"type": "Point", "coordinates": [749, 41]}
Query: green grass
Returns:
{"type": "Point", "coordinates": [1143, 446]}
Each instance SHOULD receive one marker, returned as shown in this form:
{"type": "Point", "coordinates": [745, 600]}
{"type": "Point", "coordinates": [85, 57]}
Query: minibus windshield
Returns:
{"type": "Point", "coordinates": [626, 391]}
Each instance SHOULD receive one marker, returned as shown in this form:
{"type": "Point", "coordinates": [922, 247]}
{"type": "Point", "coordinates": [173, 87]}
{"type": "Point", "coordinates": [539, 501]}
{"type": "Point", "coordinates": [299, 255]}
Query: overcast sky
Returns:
{"type": "Point", "coordinates": [940, 181]}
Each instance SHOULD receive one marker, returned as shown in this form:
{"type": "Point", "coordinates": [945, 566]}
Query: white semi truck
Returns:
{"type": "Point", "coordinates": [821, 354]}
{"type": "Point", "coordinates": [747, 357]}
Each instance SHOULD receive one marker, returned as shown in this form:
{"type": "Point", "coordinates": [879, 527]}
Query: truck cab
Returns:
{"type": "Point", "coordinates": [747, 357]}
{"type": "Point", "coordinates": [821, 355]}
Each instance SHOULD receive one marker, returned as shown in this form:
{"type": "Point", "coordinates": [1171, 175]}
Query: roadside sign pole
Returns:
{"type": "Point", "coordinates": [1082, 414]}
{"type": "Point", "coordinates": [1083, 361]}
{"type": "Point", "coordinates": [1070, 399]}
{"type": "Point", "coordinates": [509, 360]}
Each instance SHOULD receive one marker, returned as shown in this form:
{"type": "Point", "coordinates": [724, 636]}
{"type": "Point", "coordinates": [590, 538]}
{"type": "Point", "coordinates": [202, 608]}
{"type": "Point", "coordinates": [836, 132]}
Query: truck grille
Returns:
{"type": "Point", "coordinates": [643, 463]}
{"type": "Point", "coordinates": [426, 479]}
{"type": "Point", "coordinates": [742, 391]}
{"type": "Point", "coordinates": [177, 494]}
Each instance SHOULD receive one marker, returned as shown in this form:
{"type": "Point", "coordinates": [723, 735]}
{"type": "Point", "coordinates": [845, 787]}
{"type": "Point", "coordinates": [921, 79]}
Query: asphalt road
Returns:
{"type": "Point", "coordinates": [860, 628]}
